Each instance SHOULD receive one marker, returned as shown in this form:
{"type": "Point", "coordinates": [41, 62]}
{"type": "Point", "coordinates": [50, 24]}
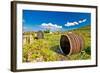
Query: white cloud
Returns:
{"type": "Point", "coordinates": [71, 23]}
{"type": "Point", "coordinates": [51, 26]}
{"type": "Point", "coordinates": [81, 21]}
{"type": "Point", "coordinates": [75, 23]}
{"type": "Point", "coordinates": [24, 28]}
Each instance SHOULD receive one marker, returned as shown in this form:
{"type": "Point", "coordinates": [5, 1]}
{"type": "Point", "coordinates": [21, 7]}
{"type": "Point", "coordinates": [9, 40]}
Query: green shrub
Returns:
{"type": "Point", "coordinates": [88, 50]}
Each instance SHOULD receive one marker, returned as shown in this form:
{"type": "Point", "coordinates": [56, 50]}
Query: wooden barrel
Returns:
{"type": "Point", "coordinates": [71, 43]}
{"type": "Point", "coordinates": [40, 35]}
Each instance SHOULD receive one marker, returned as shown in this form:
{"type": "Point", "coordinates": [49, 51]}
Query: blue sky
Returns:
{"type": "Point", "coordinates": [41, 20]}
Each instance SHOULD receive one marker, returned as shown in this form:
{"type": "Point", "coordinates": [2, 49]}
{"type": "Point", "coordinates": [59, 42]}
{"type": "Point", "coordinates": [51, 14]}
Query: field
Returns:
{"type": "Point", "coordinates": [48, 49]}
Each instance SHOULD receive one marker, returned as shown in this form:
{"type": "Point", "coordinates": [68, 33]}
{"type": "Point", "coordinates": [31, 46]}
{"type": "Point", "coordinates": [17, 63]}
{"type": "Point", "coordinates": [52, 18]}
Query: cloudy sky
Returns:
{"type": "Point", "coordinates": [41, 20]}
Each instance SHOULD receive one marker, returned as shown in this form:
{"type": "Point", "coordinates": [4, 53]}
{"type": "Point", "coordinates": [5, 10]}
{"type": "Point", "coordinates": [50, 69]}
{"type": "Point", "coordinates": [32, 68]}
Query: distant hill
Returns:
{"type": "Point", "coordinates": [85, 28]}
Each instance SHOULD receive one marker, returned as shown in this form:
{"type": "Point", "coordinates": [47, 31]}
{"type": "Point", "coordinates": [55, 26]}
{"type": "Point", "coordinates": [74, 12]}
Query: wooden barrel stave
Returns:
{"type": "Point", "coordinates": [72, 43]}
{"type": "Point", "coordinates": [76, 43]}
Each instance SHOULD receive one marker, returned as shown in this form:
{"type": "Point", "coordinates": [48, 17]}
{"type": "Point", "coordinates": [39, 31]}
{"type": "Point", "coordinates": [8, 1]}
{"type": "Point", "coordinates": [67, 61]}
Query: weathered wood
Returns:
{"type": "Point", "coordinates": [71, 43]}
{"type": "Point", "coordinates": [40, 35]}
{"type": "Point", "coordinates": [27, 38]}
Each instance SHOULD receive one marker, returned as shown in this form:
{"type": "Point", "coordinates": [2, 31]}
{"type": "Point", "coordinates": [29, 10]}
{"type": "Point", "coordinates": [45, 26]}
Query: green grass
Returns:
{"type": "Point", "coordinates": [47, 49]}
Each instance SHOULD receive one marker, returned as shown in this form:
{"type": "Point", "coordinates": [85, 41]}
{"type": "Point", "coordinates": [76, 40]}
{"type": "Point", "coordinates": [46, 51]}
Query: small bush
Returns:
{"type": "Point", "coordinates": [88, 50]}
